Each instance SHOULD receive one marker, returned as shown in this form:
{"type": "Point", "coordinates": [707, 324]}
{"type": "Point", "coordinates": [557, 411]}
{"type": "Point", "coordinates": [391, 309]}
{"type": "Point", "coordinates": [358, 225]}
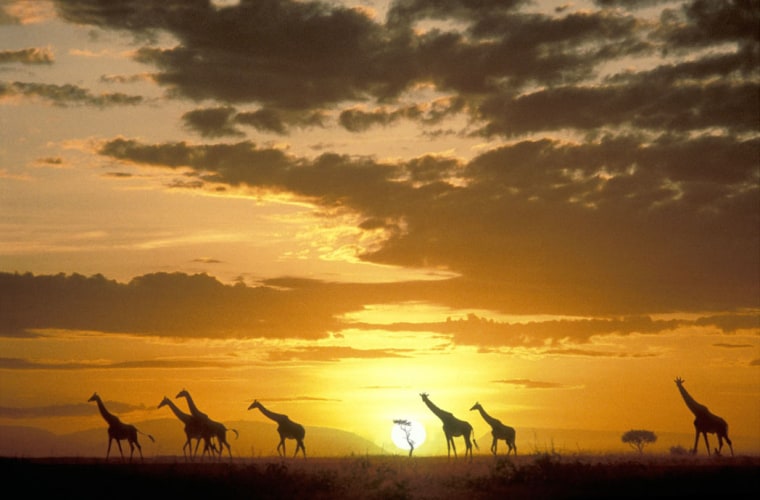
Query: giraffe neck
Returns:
{"type": "Point", "coordinates": [696, 408]}
{"type": "Point", "coordinates": [194, 409]}
{"type": "Point", "coordinates": [488, 418]}
{"type": "Point", "coordinates": [271, 415]}
{"type": "Point", "coordinates": [179, 413]}
{"type": "Point", "coordinates": [443, 415]}
{"type": "Point", "coordinates": [108, 417]}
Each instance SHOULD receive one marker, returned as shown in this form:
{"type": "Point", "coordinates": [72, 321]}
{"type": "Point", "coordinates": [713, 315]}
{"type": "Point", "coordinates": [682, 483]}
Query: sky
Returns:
{"type": "Point", "coordinates": [547, 207]}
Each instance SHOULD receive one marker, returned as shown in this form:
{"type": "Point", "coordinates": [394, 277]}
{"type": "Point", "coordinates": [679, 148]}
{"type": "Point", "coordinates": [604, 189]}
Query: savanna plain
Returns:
{"type": "Point", "coordinates": [531, 475]}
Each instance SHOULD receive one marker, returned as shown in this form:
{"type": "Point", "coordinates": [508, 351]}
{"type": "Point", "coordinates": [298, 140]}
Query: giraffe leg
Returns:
{"type": "Point", "coordinates": [453, 446]}
{"type": "Point", "coordinates": [494, 445]}
{"type": "Point", "coordinates": [730, 445]}
{"type": "Point", "coordinates": [121, 452]}
{"type": "Point", "coordinates": [707, 445]}
{"type": "Point", "coordinates": [108, 451]}
{"type": "Point", "coordinates": [696, 442]}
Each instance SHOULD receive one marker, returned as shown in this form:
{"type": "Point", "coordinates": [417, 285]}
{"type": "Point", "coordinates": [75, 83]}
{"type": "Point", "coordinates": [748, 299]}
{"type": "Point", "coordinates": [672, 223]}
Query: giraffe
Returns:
{"type": "Point", "coordinates": [705, 422]}
{"type": "Point", "coordinates": [286, 428]}
{"type": "Point", "coordinates": [194, 429]}
{"type": "Point", "coordinates": [498, 430]}
{"type": "Point", "coordinates": [118, 430]}
{"type": "Point", "coordinates": [452, 427]}
{"type": "Point", "coordinates": [211, 427]}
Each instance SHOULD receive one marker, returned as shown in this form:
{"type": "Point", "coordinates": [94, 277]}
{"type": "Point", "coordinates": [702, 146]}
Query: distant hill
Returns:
{"type": "Point", "coordinates": [255, 439]}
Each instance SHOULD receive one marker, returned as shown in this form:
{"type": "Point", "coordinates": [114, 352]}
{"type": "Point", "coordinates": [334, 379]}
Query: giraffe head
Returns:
{"type": "Point", "coordinates": [679, 381]}
{"type": "Point", "coordinates": [182, 394]}
{"type": "Point", "coordinates": [424, 396]}
{"type": "Point", "coordinates": [476, 406]}
{"type": "Point", "coordinates": [164, 402]}
{"type": "Point", "coordinates": [255, 404]}
{"type": "Point", "coordinates": [94, 397]}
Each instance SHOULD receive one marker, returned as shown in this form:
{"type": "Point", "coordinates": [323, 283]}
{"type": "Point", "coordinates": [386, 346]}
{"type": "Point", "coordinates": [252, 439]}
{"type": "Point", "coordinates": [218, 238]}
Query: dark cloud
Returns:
{"type": "Point", "coordinates": [160, 304]}
{"type": "Point", "coordinates": [555, 220]}
{"type": "Point", "coordinates": [27, 56]}
{"type": "Point", "coordinates": [66, 95]}
{"type": "Point", "coordinates": [626, 182]}
{"type": "Point", "coordinates": [212, 122]}
{"type": "Point", "coordinates": [267, 120]}
{"type": "Point", "coordinates": [359, 120]}
{"type": "Point", "coordinates": [198, 306]}
{"type": "Point", "coordinates": [290, 55]}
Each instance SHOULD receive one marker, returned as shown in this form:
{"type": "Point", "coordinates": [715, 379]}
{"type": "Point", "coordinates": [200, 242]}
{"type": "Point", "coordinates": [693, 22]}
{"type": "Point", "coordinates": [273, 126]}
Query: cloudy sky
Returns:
{"type": "Point", "coordinates": [550, 207]}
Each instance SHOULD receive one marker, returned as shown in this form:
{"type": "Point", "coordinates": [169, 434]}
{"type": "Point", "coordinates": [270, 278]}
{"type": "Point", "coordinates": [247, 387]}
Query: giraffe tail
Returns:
{"type": "Point", "coordinates": [152, 439]}
{"type": "Point", "coordinates": [473, 440]}
{"type": "Point", "coordinates": [236, 433]}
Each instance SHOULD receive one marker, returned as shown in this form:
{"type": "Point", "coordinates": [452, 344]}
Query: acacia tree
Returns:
{"type": "Point", "coordinates": [639, 438]}
{"type": "Point", "coordinates": [406, 426]}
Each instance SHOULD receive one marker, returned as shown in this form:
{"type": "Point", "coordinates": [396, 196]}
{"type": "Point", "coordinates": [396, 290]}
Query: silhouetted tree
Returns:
{"type": "Point", "coordinates": [638, 439]}
{"type": "Point", "coordinates": [406, 426]}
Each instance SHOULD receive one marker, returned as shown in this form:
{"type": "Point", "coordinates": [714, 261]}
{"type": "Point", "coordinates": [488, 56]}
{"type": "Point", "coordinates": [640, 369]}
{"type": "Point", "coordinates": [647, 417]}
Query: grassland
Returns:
{"type": "Point", "coordinates": [540, 475]}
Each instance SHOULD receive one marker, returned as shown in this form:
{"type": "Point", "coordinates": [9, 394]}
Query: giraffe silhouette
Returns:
{"type": "Point", "coordinates": [194, 429]}
{"type": "Point", "coordinates": [498, 430]}
{"type": "Point", "coordinates": [452, 427]}
{"type": "Point", "coordinates": [286, 428]}
{"type": "Point", "coordinates": [119, 431]}
{"type": "Point", "coordinates": [211, 427]}
{"type": "Point", "coordinates": [705, 422]}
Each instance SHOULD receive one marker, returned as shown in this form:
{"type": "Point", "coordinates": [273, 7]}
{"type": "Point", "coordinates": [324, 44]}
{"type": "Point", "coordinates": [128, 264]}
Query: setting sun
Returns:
{"type": "Point", "coordinates": [407, 434]}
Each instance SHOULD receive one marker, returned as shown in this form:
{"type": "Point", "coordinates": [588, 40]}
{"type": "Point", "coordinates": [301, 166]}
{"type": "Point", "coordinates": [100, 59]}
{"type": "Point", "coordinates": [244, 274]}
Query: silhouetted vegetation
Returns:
{"type": "Point", "coordinates": [639, 438]}
{"type": "Point", "coordinates": [541, 475]}
{"type": "Point", "coordinates": [406, 427]}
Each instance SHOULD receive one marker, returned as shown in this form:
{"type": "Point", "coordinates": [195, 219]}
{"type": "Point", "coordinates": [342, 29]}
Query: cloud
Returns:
{"type": "Point", "coordinates": [333, 353]}
{"type": "Point", "coordinates": [25, 364]}
{"type": "Point", "coordinates": [302, 398]}
{"type": "Point", "coordinates": [733, 346]}
{"type": "Point", "coordinates": [71, 410]}
{"type": "Point", "coordinates": [556, 222]}
{"type": "Point", "coordinates": [212, 122]}
{"type": "Point", "coordinates": [265, 120]}
{"type": "Point", "coordinates": [208, 260]}
{"type": "Point", "coordinates": [27, 56]}
{"type": "Point", "coordinates": [198, 306]}
{"type": "Point", "coordinates": [514, 71]}
{"type": "Point", "coordinates": [65, 95]}
{"type": "Point", "coordinates": [175, 305]}
{"type": "Point", "coordinates": [530, 384]}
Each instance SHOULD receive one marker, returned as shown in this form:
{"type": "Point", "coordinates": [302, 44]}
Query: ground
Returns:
{"type": "Point", "coordinates": [388, 477]}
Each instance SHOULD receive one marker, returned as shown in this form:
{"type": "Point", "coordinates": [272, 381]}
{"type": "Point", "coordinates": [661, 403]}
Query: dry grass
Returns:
{"type": "Point", "coordinates": [541, 475]}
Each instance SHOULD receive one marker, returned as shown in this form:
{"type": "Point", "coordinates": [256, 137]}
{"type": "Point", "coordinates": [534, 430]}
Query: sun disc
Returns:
{"type": "Point", "coordinates": [402, 434]}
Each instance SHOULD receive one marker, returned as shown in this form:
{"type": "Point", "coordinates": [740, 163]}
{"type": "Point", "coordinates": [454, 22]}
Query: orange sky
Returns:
{"type": "Point", "coordinates": [551, 208]}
